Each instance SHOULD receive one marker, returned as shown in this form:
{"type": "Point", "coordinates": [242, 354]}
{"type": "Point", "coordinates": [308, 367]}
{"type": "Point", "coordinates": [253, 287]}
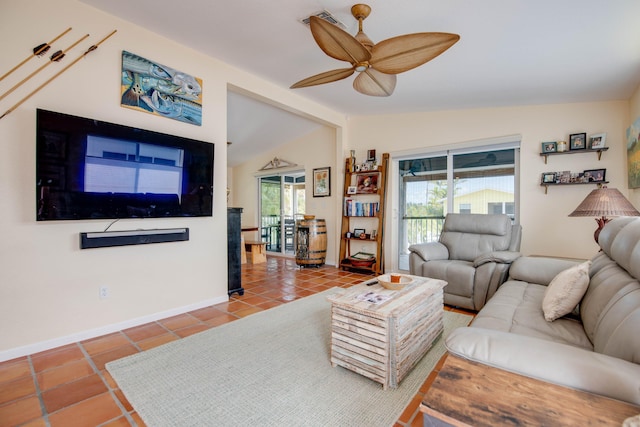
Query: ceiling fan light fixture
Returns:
{"type": "Point", "coordinates": [377, 64]}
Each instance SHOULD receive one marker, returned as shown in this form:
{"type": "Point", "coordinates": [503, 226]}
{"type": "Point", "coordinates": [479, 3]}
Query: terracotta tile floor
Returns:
{"type": "Point", "coordinates": [68, 386]}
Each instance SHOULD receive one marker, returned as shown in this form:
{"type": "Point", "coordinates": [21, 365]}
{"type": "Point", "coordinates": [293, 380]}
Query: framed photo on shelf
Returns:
{"type": "Point", "coordinates": [577, 141]}
{"type": "Point", "coordinates": [367, 183]}
{"type": "Point", "coordinates": [357, 232]}
{"type": "Point", "coordinates": [322, 182]}
{"type": "Point", "coordinates": [549, 178]}
{"type": "Point", "coordinates": [549, 147]}
{"type": "Point", "coordinates": [371, 155]}
{"type": "Point", "coordinates": [352, 189]}
{"type": "Point", "coordinates": [564, 177]}
{"type": "Point", "coordinates": [595, 175]}
{"type": "Point", "coordinates": [597, 141]}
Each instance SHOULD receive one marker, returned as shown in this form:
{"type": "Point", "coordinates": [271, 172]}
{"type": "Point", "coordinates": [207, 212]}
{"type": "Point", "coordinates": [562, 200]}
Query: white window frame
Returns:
{"type": "Point", "coordinates": [392, 222]}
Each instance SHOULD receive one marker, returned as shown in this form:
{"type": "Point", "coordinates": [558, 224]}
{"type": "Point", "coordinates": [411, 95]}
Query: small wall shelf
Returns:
{"type": "Point", "coordinates": [546, 186]}
{"type": "Point", "coordinates": [598, 152]}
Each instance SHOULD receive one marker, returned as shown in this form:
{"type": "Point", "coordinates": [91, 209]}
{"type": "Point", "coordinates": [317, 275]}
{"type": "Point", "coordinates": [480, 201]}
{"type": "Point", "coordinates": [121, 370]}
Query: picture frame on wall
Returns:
{"type": "Point", "coordinates": [187, 94]}
{"type": "Point", "coordinates": [597, 141]}
{"type": "Point", "coordinates": [578, 141]}
{"type": "Point", "coordinates": [322, 182]}
{"type": "Point", "coordinates": [633, 154]}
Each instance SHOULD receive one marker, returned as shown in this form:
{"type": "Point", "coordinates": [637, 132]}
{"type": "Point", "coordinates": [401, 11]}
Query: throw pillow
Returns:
{"type": "Point", "coordinates": [565, 291]}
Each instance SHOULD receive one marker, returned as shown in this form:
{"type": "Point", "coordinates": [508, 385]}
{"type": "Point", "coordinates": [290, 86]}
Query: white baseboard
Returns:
{"type": "Point", "coordinates": [104, 330]}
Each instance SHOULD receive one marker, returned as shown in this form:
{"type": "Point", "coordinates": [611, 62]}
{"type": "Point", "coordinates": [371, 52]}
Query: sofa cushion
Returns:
{"type": "Point", "coordinates": [540, 270]}
{"type": "Point", "coordinates": [623, 246]}
{"type": "Point", "coordinates": [517, 308]}
{"type": "Point", "coordinates": [610, 310]}
{"type": "Point", "coordinates": [568, 366]}
{"type": "Point", "coordinates": [467, 237]}
{"type": "Point", "coordinates": [459, 275]}
{"type": "Point", "coordinates": [565, 291]}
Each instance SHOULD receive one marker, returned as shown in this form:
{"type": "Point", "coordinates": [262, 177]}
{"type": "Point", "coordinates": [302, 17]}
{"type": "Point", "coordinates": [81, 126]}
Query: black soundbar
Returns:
{"type": "Point", "coordinates": [105, 239]}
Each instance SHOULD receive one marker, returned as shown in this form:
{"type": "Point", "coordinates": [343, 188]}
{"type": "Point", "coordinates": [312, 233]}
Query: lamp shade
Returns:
{"type": "Point", "coordinates": [605, 202]}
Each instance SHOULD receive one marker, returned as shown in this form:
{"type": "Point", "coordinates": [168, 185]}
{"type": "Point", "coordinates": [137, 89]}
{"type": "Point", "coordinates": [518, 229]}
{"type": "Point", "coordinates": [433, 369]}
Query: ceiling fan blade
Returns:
{"type": "Point", "coordinates": [403, 53]}
{"type": "Point", "coordinates": [326, 77]}
{"type": "Point", "coordinates": [374, 83]}
{"type": "Point", "coordinates": [337, 43]}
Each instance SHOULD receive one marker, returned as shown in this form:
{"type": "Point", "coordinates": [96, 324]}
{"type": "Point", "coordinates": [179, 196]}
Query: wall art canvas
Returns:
{"type": "Point", "coordinates": [160, 90]}
{"type": "Point", "coordinates": [633, 154]}
{"type": "Point", "coordinates": [322, 182]}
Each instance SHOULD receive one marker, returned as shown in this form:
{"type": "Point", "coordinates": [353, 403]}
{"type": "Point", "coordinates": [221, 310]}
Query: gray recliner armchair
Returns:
{"type": "Point", "coordinates": [473, 255]}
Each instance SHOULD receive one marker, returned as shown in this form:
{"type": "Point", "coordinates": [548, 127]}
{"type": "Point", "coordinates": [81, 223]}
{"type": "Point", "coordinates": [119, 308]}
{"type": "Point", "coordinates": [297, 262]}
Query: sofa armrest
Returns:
{"type": "Point", "coordinates": [540, 270]}
{"type": "Point", "coordinates": [430, 250]}
{"type": "Point", "coordinates": [549, 361]}
{"type": "Point", "coordinates": [500, 257]}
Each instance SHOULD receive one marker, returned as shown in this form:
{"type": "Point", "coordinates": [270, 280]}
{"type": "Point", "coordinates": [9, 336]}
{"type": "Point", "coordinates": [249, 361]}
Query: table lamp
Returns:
{"type": "Point", "coordinates": [604, 202]}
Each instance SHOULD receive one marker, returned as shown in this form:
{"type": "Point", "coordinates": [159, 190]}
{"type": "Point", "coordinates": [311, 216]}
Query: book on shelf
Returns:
{"type": "Point", "coordinates": [355, 208]}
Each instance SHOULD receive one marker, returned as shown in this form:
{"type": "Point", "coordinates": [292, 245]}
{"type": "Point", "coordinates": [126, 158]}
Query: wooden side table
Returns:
{"type": "Point", "coordinates": [243, 250]}
{"type": "Point", "coordinates": [467, 393]}
{"type": "Point", "coordinates": [383, 341]}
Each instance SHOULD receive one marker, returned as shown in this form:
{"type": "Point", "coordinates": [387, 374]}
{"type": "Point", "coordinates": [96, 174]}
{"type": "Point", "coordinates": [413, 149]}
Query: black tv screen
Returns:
{"type": "Point", "coordinates": [90, 169]}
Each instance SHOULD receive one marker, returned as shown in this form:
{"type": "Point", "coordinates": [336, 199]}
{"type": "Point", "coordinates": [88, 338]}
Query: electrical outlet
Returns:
{"type": "Point", "coordinates": [104, 292]}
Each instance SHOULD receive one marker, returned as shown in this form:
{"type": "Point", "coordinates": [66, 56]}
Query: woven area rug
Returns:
{"type": "Point", "coordinates": [271, 368]}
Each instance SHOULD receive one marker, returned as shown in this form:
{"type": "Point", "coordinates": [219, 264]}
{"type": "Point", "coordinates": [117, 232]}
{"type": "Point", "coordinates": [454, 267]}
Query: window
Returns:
{"type": "Point", "coordinates": [478, 180]}
{"type": "Point", "coordinates": [502, 208]}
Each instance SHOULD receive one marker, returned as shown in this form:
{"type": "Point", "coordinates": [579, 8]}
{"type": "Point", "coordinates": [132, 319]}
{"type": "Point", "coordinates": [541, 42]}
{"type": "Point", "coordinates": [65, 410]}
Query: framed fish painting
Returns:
{"type": "Point", "coordinates": [160, 90]}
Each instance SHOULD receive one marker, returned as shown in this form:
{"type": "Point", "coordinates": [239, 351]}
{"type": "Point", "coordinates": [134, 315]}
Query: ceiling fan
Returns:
{"type": "Point", "coordinates": [377, 64]}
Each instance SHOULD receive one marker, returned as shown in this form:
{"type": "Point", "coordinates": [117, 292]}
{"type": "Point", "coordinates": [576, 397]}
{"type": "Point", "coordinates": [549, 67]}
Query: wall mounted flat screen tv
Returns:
{"type": "Point", "coordinates": [90, 169]}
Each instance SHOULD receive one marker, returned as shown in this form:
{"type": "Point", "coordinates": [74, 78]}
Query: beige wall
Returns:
{"type": "Point", "coordinates": [48, 286]}
{"type": "Point", "coordinates": [315, 150]}
{"type": "Point", "coordinates": [546, 227]}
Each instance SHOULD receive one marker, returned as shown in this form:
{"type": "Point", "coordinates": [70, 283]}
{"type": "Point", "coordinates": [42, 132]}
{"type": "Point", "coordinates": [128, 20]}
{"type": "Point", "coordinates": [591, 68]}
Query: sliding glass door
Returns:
{"type": "Point", "coordinates": [480, 180]}
{"type": "Point", "coordinates": [282, 201]}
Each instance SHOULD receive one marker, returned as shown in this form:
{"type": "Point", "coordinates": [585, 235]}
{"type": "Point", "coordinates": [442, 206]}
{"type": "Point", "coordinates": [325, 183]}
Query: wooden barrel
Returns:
{"type": "Point", "coordinates": [311, 242]}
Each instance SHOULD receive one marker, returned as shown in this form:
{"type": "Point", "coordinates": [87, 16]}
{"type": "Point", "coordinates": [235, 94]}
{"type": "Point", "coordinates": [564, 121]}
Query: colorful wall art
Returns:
{"type": "Point", "coordinates": [633, 154]}
{"type": "Point", "coordinates": [161, 90]}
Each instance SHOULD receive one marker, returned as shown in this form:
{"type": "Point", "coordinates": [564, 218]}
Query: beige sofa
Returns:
{"type": "Point", "coordinates": [596, 348]}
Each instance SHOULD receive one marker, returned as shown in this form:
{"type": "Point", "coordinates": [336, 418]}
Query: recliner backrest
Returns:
{"type": "Point", "coordinates": [468, 236]}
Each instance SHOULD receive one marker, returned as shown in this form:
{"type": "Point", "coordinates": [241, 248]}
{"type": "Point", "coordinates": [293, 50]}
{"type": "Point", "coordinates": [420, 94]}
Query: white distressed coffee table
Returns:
{"type": "Point", "coordinates": [383, 340]}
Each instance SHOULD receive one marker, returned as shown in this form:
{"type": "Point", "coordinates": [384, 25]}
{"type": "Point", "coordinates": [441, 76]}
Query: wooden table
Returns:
{"type": "Point", "coordinates": [243, 250]}
{"type": "Point", "coordinates": [384, 341]}
{"type": "Point", "coordinates": [467, 393]}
